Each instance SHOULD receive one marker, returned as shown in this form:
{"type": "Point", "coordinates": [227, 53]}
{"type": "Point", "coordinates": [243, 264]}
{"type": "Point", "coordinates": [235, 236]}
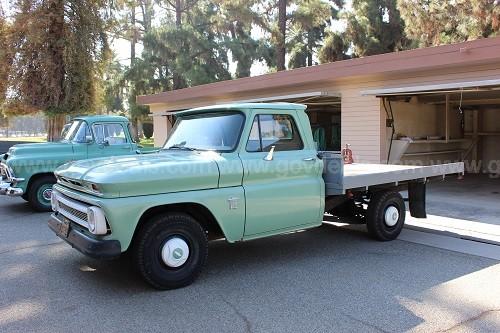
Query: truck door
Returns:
{"type": "Point", "coordinates": [110, 140]}
{"type": "Point", "coordinates": [80, 141]}
{"type": "Point", "coordinates": [283, 189]}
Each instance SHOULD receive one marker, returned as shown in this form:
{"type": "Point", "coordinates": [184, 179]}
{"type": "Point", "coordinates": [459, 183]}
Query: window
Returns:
{"type": "Point", "coordinates": [83, 134]}
{"type": "Point", "coordinates": [218, 131]}
{"type": "Point", "coordinates": [274, 130]}
{"type": "Point", "coordinates": [112, 134]}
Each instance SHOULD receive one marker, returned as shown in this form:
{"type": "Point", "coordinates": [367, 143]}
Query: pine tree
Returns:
{"type": "Point", "coordinates": [374, 27]}
{"type": "Point", "coordinates": [435, 22]}
{"type": "Point", "coordinates": [308, 28]}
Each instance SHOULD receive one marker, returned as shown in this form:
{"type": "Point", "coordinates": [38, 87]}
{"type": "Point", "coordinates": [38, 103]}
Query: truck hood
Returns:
{"type": "Point", "coordinates": [135, 175]}
{"type": "Point", "coordinates": [39, 148]}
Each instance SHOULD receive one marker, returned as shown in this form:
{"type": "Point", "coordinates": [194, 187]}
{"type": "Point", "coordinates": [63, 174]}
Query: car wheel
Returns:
{"type": "Point", "coordinates": [170, 250]}
{"type": "Point", "coordinates": [39, 193]}
{"type": "Point", "coordinates": [385, 215]}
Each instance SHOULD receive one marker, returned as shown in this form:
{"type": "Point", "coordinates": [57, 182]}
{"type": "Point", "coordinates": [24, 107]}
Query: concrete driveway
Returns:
{"type": "Point", "coordinates": [329, 279]}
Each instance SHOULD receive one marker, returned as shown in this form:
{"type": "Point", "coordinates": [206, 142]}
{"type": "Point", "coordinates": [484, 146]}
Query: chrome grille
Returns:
{"type": "Point", "coordinates": [75, 211]}
{"type": "Point", "coordinates": [81, 215]}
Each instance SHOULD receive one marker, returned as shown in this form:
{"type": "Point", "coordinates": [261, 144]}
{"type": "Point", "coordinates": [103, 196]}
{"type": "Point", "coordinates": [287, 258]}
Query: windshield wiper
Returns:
{"type": "Point", "coordinates": [180, 147]}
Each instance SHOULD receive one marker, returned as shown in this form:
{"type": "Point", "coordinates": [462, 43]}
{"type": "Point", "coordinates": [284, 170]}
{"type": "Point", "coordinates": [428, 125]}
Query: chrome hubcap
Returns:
{"type": "Point", "coordinates": [175, 252]}
{"type": "Point", "coordinates": [47, 194]}
{"type": "Point", "coordinates": [391, 216]}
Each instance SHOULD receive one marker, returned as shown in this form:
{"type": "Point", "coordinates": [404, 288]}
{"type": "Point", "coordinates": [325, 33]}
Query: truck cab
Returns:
{"type": "Point", "coordinates": [27, 170]}
{"type": "Point", "coordinates": [237, 172]}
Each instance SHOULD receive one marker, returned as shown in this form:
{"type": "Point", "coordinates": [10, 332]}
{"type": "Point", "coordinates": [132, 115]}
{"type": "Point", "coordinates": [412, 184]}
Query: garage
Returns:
{"type": "Point", "coordinates": [439, 123]}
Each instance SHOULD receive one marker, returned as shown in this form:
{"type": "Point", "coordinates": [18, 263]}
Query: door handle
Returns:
{"type": "Point", "coordinates": [309, 159]}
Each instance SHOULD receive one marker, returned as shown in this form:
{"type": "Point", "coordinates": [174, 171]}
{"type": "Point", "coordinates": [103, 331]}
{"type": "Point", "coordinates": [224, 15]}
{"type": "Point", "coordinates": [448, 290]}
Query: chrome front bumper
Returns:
{"type": "Point", "coordinates": [7, 189]}
{"type": "Point", "coordinates": [8, 182]}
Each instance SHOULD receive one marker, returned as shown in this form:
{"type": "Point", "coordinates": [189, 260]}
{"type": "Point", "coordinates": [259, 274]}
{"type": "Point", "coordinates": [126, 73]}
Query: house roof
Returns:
{"type": "Point", "coordinates": [481, 51]}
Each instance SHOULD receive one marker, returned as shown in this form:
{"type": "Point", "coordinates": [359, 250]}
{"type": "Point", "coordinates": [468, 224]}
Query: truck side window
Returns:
{"type": "Point", "coordinates": [277, 130]}
{"type": "Point", "coordinates": [113, 134]}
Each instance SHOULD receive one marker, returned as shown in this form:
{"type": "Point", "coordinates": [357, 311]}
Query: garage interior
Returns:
{"type": "Point", "coordinates": [448, 123]}
{"type": "Point", "coordinates": [444, 123]}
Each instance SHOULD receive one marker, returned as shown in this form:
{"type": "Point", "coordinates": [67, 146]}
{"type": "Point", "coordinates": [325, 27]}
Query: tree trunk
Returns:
{"type": "Point", "coordinates": [280, 48]}
{"type": "Point", "coordinates": [178, 13]}
{"type": "Point", "coordinates": [310, 47]}
{"type": "Point", "coordinates": [178, 82]}
{"type": "Point", "coordinates": [134, 35]}
{"type": "Point", "coordinates": [134, 129]}
{"type": "Point", "coordinates": [55, 125]}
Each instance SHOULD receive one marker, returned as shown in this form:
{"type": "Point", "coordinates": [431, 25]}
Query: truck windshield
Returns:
{"type": "Point", "coordinates": [70, 132]}
{"type": "Point", "coordinates": [214, 131]}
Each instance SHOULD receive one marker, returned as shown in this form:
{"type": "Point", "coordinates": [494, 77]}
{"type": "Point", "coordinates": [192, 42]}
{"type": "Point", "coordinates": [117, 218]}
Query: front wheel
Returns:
{"type": "Point", "coordinates": [39, 193]}
{"type": "Point", "coordinates": [385, 215]}
{"type": "Point", "coordinates": [170, 250]}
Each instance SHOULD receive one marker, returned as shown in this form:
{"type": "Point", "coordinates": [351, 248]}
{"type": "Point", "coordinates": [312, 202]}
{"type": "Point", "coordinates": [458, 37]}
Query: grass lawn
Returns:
{"type": "Point", "coordinates": [147, 142]}
{"type": "Point", "coordinates": [24, 138]}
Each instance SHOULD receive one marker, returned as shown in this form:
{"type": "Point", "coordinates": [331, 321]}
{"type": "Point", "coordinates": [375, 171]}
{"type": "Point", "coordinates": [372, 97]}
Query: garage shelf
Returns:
{"type": "Point", "coordinates": [484, 134]}
{"type": "Point", "coordinates": [434, 153]}
{"type": "Point", "coordinates": [440, 141]}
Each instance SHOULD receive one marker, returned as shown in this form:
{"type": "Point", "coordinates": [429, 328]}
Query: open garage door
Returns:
{"type": "Point", "coordinates": [438, 123]}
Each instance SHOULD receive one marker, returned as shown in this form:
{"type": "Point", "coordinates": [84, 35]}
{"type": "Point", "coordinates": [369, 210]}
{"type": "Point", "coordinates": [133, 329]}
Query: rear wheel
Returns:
{"type": "Point", "coordinates": [39, 193]}
{"type": "Point", "coordinates": [170, 250]}
{"type": "Point", "coordinates": [385, 215]}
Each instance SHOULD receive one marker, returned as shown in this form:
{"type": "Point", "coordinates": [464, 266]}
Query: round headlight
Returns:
{"type": "Point", "coordinates": [53, 201]}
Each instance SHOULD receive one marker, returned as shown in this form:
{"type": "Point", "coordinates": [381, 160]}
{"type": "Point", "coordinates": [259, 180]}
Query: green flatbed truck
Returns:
{"type": "Point", "coordinates": [238, 172]}
{"type": "Point", "coordinates": [27, 170]}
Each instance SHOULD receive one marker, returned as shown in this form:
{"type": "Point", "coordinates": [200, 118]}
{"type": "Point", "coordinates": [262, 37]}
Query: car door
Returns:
{"type": "Point", "coordinates": [110, 140]}
{"type": "Point", "coordinates": [81, 141]}
{"type": "Point", "coordinates": [283, 189]}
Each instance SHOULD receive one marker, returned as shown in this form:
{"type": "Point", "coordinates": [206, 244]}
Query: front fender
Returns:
{"type": "Point", "coordinates": [123, 214]}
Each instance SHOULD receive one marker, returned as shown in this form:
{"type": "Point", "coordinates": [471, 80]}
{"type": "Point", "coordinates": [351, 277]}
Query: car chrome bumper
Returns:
{"type": "Point", "coordinates": [7, 189]}
{"type": "Point", "coordinates": [94, 248]}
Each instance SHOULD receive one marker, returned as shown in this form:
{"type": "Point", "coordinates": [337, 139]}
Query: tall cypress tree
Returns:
{"type": "Point", "coordinates": [58, 46]}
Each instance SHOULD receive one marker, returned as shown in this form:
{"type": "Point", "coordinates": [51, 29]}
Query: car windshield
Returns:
{"type": "Point", "coordinates": [214, 131]}
{"type": "Point", "coordinates": [78, 132]}
{"type": "Point", "coordinates": [70, 132]}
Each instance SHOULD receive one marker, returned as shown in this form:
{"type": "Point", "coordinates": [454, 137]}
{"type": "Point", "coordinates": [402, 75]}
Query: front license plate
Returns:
{"type": "Point", "coordinates": [63, 227]}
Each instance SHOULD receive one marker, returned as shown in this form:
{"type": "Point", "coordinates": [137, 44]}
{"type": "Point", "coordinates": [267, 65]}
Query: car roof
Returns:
{"type": "Point", "coordinates": [244, 107]}
{"type": "Point", "coordinates": [103, 118]}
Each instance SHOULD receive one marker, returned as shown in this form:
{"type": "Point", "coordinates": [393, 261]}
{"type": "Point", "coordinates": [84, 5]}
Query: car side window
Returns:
{"type": "Point", "coordinates": [277, 130]}
{"type": "Point", "coordinates": [113, 134]}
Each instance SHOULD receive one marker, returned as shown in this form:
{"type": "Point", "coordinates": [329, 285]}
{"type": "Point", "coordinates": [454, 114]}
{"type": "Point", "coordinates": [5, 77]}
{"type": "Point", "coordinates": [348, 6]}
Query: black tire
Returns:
{"type": "Point", "coordinates": [150, 241]}
{"type": "Point", "coordinates": [37, 193]}
{"type": "Point", "coordinates": [375, 217]}
{"type": "Point", "coordinates": [25, 197]}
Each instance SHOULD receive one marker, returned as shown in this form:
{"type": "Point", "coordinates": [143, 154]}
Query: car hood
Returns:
{"type": "Point", "coordinates": [39, 148]}
{"type": "Point", "coordinates": [135, 175]}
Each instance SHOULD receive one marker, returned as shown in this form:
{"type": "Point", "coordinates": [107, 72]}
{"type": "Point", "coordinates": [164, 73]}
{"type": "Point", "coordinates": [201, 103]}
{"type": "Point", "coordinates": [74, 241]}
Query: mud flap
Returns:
{"type": "Point", "coordinates": [416, 196]}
